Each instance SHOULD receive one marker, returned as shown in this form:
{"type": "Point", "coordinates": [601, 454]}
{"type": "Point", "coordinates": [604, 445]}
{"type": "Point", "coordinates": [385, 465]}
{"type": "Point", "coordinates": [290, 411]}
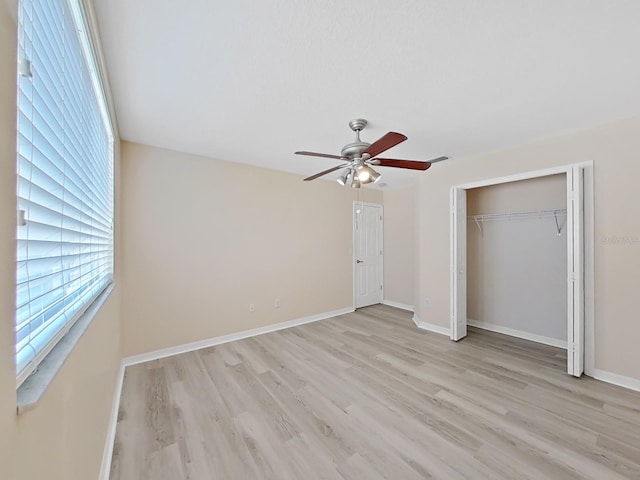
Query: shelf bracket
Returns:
{"type": "Point", "coordinates": [558, 226]}
{"type": "Point", "coordinates": [478, 224]}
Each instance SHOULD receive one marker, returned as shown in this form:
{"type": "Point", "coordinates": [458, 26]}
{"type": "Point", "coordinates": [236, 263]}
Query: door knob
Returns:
{"type": "Point", "coordinates": [358, 261]}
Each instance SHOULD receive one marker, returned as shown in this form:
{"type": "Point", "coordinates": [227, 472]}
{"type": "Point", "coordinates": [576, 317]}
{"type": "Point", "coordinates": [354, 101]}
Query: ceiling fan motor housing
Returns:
{"type": "Point", "coordinates": [355, 149]}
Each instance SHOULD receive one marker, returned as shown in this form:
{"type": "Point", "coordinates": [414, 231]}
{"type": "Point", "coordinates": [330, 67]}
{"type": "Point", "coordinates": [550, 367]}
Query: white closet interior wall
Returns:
{"type": "Point", "coordinates": [517, 267]}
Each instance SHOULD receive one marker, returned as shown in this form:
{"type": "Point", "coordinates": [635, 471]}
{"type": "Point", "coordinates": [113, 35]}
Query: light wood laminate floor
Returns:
{"type": "Point", "coordinates": [369, 396]}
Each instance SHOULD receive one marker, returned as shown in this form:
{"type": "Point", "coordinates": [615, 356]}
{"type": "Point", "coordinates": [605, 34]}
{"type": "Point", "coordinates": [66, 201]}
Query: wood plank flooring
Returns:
{"type": "Point", "coordinates": [368, 396]}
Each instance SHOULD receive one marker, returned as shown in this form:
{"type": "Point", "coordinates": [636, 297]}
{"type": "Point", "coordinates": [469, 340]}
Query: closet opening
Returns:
{"type": "Point", "coordinates": [522, 259]}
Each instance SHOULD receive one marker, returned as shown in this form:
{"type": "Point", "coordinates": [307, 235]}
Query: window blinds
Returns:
{"type": "Point", "coordinates": [65, 179]}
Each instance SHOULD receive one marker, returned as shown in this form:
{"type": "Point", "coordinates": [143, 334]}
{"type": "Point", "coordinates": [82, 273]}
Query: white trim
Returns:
{"type": "Point", "coordinates": [453, 242]}
{"type": "Point", "coordinates": [402, 306]}
{"type": "Point", "coordinates": [520, 176]}
{"type": "Point", "coordinates": [210, 342]}
{"type": "Point", "coordinates": [91, 22]}
{"type": "Point", "coordinates": [589, 268]}
{"type": "Point", "coordinates": [615, 379]}
{"type": "Point", "coordinates": [105, 469]}
{"type": "Point", "coordinates": [492, 327]}
{"type": "Point", "coordinates": [430, 327]}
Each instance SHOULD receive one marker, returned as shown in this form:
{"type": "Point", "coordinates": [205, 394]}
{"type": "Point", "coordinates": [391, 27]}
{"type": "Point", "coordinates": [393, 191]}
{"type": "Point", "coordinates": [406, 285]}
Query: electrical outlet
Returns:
{"type": "Point", "coordinates": [276, 303]}
{"type": "Point", "coordinates": [252, 307]}
{"type": "Point", "coordinates": [427, 302]}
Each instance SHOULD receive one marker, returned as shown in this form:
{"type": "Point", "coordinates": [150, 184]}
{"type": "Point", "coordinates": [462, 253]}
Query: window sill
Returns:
{"type": "Point", "coordinates": [32, 389]}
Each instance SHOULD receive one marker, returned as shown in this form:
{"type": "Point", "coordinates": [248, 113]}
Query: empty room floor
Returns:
{"type": "Point", "coordinates": [369, 396]}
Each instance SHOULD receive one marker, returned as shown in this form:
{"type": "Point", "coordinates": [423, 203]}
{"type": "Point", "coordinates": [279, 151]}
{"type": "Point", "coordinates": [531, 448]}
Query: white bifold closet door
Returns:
{"type": "Point", "coordinates": [575, 270]}
{"type": "Point", "coordinates": [459, 263]}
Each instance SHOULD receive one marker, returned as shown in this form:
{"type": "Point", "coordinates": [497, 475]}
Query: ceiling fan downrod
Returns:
{"type": "Point", "coordinates": [355, 149]}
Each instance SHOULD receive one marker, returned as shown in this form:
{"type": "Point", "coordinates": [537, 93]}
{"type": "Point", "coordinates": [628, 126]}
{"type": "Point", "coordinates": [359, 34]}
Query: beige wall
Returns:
{"type": "Point", "coordinates": [203, 239]}
{"type": "Point", "coordinates": [400, 236]}
{"type": "Point", "coordinates": [615, 150]}
{"type": "Point", "coordinates": [7, 232]}
{"type": "Point", "coordinates": [63, 438]}
{"type": "Point", "coordinates": [68, 427]}
{"type": "Point", "coordinates": [517, 267]}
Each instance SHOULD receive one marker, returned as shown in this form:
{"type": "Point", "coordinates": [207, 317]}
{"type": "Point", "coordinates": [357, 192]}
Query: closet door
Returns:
{"type": "Point", "coordinates": [458, 263]}
{"type": "Point", "coordinates": [575, 269]}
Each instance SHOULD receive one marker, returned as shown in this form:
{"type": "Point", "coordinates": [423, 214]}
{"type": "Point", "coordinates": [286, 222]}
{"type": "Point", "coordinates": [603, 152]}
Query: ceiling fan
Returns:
{"type": "Point", "coordinates": [359, 156]}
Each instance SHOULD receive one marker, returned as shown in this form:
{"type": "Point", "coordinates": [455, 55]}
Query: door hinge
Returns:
{"type": "Point", "coordinates": [571, 346]}
{"type": "Point", "coordinates": [380, 287]}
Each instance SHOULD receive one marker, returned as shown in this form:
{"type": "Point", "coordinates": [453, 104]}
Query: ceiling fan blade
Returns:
{"type": "Point", "coordinates": [313, 177]}
{"type": "Point", "coordinates": [314, 154]}
{"type": "Point", "coordinates": [439, 159]}
{"type": "Point", "coordinates": [384, 143]}
{"type": "Point", "coordinates": [410, 164]}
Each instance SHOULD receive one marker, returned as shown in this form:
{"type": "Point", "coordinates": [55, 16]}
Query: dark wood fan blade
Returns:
{"type": "Point", "coordinates": [384, 143]}
{"type": "Point", "coordinates": [313, 177]}
{"type": "Point", "coordinates": [411, 164]}
{"type": "Point", "coordinates": [325, 155]}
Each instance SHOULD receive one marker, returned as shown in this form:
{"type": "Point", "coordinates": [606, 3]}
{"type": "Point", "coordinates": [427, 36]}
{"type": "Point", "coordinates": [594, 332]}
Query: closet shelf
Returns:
{"type": "Point", "coordinates": [489, 217]}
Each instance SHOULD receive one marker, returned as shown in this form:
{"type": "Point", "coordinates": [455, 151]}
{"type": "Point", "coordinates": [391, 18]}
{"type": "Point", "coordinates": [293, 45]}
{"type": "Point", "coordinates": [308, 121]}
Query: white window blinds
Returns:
{"type": "Point", "coordinates": [65, 178]}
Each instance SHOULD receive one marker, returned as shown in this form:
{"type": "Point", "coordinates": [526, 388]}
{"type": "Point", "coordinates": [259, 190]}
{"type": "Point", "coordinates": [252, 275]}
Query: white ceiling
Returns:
{"type": "Point", "coordinates": [252, 81]}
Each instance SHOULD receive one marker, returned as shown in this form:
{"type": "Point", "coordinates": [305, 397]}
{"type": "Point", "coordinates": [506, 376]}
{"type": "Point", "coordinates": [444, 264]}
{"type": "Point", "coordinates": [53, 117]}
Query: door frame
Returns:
{"type": "Point", "coordinates": [353, 247]}
{"type": "Point", "coordinates": [588, 244]}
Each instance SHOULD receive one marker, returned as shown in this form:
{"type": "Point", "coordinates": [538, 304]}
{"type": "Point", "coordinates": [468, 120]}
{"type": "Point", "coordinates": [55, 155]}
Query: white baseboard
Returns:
{"type": "Point", "coordinates": [105, 469]}
{"type": "Point", "coordinates": [492, 327]}
{"type": "Point", "coordinates": [210, 342]}
{"type": "Point", "coordinates": [431, 327]}
{"type": "Point", "coordinates": [403, 306]}
{"type": "Point", "coordinates": [615, 379]}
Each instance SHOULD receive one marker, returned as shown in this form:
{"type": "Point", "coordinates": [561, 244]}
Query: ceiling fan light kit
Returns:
{"type": "Point", "coordinates": [366, 174]}
{"type": "Point", "coordinates": [342, 179]}
{"type": "Point", "coordinates": [359, 156]}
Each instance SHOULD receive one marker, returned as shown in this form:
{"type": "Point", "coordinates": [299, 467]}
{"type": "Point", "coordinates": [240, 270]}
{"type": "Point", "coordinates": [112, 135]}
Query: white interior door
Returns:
{"type": "Point", "coordinates": [575, 269]}
{"type": "Point", "coordinates": [367, 253]}
{"type": "Point", "coordinates": [458, 263]}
